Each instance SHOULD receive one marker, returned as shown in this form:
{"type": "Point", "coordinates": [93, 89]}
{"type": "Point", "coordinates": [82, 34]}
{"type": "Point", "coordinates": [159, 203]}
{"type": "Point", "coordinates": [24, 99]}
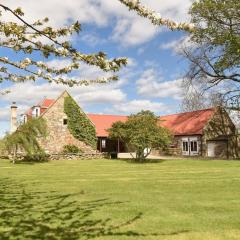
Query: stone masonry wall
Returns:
{"type": "Point", "coordinates": [220, 127]}
{"type": "Point", "coordinates": [58, 133]}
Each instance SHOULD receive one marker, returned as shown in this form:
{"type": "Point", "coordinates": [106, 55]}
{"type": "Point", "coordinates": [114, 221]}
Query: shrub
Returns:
{"type": "Point", "coordinates": [2, 147]}
{"type": "Point", "coordinates": [71, 149]}
{"type": "Point", "coordinates": [38, 157]}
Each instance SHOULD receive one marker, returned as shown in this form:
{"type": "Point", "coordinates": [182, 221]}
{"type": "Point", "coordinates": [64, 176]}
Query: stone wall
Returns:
{"type": "Point", "coordinates": [58, 133]}
{"type": "Point", "coordinates": [87, 156]}
{"type": "Point", "coordinates": [220, 128]}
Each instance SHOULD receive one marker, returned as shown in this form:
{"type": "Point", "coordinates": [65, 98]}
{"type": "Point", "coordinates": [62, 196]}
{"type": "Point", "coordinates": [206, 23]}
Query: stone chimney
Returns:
{"type": "Point", "coordinates": [13, 117]}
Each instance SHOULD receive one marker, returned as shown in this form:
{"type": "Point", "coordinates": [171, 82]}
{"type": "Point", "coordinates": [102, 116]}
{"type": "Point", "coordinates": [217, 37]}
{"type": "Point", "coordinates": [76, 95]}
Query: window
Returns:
{"type": "Point", "coordinates": [103, 143]}
{"type": "Point", "coordinates": [194, 146]}
{"type": "Point", "coordinates": [37, 112]}
{"type": "Point", "coordinates": [185, 146]}
{"type": "Point", "coordinates": [65, 121]}
{"type": "Point", "coordinates": [24, 119]}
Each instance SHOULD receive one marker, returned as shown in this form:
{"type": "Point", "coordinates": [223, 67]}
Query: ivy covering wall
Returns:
{"type": "Point", "coordinates": [78, 123]}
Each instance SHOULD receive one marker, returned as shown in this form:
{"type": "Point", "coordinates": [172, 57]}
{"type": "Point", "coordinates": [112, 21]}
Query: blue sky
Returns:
{"type": "Point", "coordinates": [152, 78]}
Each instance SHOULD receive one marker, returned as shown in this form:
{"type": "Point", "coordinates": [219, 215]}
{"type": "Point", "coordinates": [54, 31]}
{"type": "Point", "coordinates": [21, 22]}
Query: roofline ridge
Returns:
{"type": "Point", "coordinates": [200, 110]}
{"type": "Point", "coordinates": [99, 114]}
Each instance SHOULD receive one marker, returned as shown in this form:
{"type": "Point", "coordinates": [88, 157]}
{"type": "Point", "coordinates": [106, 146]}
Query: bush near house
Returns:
{"type": "Point", "coordinates": [37, 157]}
{"type": "Point", "coordinates": [71, 149]}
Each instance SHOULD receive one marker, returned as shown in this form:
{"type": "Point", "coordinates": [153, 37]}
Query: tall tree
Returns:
{"type": "Point", "coordinates": [214, 33]}
{"type": "Point", "coordinates": [215, 55]}
{"type": "Point", "coordinates": [141, 132]}
{"type": "Point", "coordinates": [27, 38]}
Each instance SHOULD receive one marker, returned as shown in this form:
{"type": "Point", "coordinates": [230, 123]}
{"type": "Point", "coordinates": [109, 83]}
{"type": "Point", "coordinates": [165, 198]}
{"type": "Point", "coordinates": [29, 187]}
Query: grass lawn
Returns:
{"type": "Point", "coordinates": [107, 199]}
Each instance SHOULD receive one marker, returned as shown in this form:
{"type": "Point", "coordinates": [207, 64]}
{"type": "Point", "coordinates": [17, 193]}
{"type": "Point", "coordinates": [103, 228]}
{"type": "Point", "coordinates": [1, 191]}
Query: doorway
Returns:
{"type": "Point", "coordinates": [190, 146]}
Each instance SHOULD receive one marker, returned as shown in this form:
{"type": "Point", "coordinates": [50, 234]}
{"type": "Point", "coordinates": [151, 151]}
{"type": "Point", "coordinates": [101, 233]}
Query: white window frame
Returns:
{"type": "Point", "coordinates": [189, 141]}
{"type": "Point", "coordinates": [103, 143]}
{"type": "Point", "coordinates": [24, 118]}
{"type": "Point", "coordinates": [36, 111]}
{"type": "Point", "coordinates": [185, 141]}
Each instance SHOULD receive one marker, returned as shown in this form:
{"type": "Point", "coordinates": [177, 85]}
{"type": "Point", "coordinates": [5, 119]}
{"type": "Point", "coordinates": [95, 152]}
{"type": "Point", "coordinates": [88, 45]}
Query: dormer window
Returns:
{"type": "Point", "coordinates": [36, 112]}
{"type": "Point", "coordinates": [24, 118]}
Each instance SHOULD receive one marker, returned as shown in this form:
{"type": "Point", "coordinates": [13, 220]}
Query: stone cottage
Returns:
{"type": "Point", "coordinates": [208, 132]}
{"type": "Point", "coordinates": [59, 134]}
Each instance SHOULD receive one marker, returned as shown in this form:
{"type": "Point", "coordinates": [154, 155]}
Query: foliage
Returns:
{"type": "Point", "coordinates": [37, 157]}
{"type": "Point", "coordinates": [25, 138]}
{"type": "Point", "coordinates": [39, 38]}
{"type": "Point", "coordinates": [79, 124]}
{"type": "Point", "coordinates": [214, 52]}
{"type": "Point", "coordinates": [2, 147]}
{"type": "Point", "coordinates": [196, 100]}
{"type": "Point", "coordinates": [140, 132]}
{"type": "Point", "coordinates": [71, 149]}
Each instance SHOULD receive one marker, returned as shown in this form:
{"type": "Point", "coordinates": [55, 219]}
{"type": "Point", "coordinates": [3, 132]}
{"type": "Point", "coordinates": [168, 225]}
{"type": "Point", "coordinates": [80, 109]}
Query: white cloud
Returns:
{"type": "Point", "coordinates": [135, 106]}
{"type": "Point", "coordinates": [93, 39]}
{"type": "Point", "coordinates": [4, 113]}
{"type": "Point", "coordinates": [178, 45]}
{"type": "Point", "coordinates": [151, 85]}
{"type": "Point", "coordinates": [129, 29]}
{"type": "Point", "coordinates": [29, 93]}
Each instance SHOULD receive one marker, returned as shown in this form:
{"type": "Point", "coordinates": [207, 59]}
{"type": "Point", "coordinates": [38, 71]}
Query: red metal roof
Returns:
{"type": "Point", "coordinates": [189, 123]}
{"type": "Point", "coordinates": [44, 104]}
{"type": "Point", "coordinates": [104, 122]}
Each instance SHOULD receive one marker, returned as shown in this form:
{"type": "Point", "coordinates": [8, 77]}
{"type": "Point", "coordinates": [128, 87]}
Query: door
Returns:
{"type": "Point", "coordinates": [217, 148]}
{"type": "Point", "coordinates": [190, 146]}
{"type": "Point", "coordinates": [193, 147]}
{"type": "Point", "coordinates": [185, 147]}
{"type": "Point", "coordinates": [211, 149]}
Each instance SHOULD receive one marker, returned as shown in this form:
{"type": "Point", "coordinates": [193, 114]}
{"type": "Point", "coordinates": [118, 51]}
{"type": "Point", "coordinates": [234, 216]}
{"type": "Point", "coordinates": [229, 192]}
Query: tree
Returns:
{"type": "Point", "coordinates": [141, 132]}
{"type": "Point", "coordinates": [38, 38]}
{"type": "Point", "coordinates": [214, 33]}
{"type": "Point", "coordinates": [215, 55]}
{"type": "Point", "coordinates": [25, 138]}
{"type": "Point", "coordinates": [193, 99]}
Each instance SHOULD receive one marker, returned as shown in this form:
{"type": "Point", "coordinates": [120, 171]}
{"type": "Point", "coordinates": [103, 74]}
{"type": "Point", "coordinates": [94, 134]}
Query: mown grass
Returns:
{"type": "Point", "coordinates": [107, 199]}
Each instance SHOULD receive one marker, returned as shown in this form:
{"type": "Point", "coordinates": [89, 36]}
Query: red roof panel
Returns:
{"type": "Point", "coordinates": [104, 122]}
{"type": "Point", "coordinates": [47, 103]}
{"type": "Point", "coordinates": [189, 123]}
{"type": "Point", "coordinates": [44, 104]}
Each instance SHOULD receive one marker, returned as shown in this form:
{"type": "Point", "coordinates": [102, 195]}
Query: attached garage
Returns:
{"type": "Point", "coordinates": [217, 148]}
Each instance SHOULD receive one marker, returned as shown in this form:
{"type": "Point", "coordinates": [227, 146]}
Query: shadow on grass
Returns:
{"type": "Point", "coordinates": [52, 216]}
{"type": "Point", "coordinates": [31, 162]}
{"type": "Point", "coordinates": [146, 161]}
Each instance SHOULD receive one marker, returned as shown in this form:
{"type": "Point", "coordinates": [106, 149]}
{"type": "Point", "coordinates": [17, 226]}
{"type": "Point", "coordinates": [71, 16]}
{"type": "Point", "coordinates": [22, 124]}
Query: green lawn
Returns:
{"type": "Point", "coordinates": [106, 199]}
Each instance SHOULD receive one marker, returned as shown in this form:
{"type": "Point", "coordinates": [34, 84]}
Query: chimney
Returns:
{"type": "Point", "coordinates": [13, 117]}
